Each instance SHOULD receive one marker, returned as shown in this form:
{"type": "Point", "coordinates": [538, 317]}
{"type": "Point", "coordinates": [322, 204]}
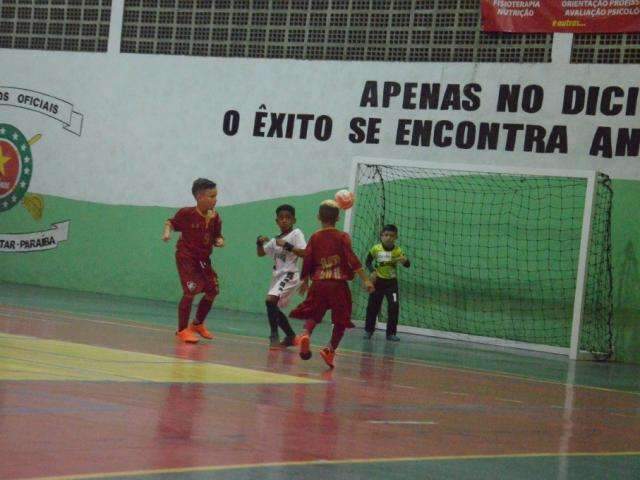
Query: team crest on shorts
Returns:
{"type": "Point", "coordinates": [191, 286]}
{"type": "Point", "coordinates": [16, 165]}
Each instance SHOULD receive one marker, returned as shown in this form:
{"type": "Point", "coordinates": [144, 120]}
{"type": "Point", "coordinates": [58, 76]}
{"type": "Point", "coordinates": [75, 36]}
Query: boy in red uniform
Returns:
{"type": "Point", "coordinates": [330, 262]}
{"type": "Point", "coordinates": [201, 230]}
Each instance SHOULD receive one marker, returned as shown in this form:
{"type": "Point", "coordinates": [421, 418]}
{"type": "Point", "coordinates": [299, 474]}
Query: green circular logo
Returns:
{"type": "Point", "coordinates": [16, 166]}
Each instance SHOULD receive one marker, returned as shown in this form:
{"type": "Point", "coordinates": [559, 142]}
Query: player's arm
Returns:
{"type": "Point", "coordinates": [260, 241]}
{"type": "Point", "coordinates": [369, 264]}
{"type": "Point", "coordinates": [289, 247]}
{"type": "Point", "coordinates": [218, 239]}
{"type": "Point", "coordinates": [356, 266]}
{"type": "Point", "coordinates": [300, 252]}
{"type": "Point", "coordinates": [304, 276]}
{"type": "Point", "coordinates": [366, 282]}
{"type": "Point", "coordinates": [166, 231]}
{"type": "Point", "coordinates": [299, 245]}
{"type": "Point", "coordinates": [307, 268]}
{"type": "Point", "coordinates": [403, 260]}
{"type": "Point", "coordinates": [173, 224]}
{"type": "Point", "coordinates": [304, 286]}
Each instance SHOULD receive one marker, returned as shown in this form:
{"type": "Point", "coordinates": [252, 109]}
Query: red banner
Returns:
{"type": "Point", "coordinates": [575, 16]}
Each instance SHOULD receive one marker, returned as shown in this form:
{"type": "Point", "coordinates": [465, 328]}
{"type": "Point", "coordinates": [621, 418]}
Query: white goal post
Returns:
{"type": "Point", "coordinates": [589, 176]}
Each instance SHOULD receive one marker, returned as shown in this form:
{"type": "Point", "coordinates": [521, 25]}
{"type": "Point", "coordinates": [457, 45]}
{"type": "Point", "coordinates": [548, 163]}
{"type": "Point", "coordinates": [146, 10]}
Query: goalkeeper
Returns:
{"type": "Point", "coordinates": [382, 262]}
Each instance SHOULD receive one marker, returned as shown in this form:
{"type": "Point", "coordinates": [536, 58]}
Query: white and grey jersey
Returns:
{"type": "Point", "coordinates": [285, 261]}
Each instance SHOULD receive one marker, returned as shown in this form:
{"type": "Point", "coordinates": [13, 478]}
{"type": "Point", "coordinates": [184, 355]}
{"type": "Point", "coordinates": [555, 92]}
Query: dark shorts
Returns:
{"type": "Point", "coordinates": [196, 276]}
{"type": "Point", "coordinates": [326, 295]}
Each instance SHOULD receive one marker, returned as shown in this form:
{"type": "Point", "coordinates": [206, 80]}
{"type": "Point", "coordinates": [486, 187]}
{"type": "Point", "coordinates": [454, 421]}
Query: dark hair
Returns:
{"type": "Point", "coordinates": [201, 184]}
{"type": "Point", "coordinates": [286, 208]}
{"type": "Point", "coordinates": [389, 228]}
{"type": "Point", "coordinates": [328, 213]}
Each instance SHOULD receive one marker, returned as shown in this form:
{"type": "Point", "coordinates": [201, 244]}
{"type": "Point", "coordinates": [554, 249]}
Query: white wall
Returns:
{"type": "Point", "coordinates": [152, 123]}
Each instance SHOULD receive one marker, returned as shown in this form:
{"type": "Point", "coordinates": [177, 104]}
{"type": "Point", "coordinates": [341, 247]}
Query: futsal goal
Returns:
{"type": "Point", "coordinates": [512, 257]}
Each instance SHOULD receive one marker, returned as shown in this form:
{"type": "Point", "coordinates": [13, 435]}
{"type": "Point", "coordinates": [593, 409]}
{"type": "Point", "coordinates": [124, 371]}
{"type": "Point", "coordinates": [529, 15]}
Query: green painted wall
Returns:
{"type": "Point", "coordinates": [117, 250]}
{"type": "Point", "coordinates": [625, 233]}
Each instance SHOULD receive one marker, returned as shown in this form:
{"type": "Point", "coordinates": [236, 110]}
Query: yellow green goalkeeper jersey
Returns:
{"type": "Point", "coordinates": [385, 261]}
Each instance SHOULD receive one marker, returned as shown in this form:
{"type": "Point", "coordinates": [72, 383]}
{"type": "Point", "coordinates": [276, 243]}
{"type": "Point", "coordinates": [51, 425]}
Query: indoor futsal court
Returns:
{"type": "Point", "coordinates": [460, 179]}
{"type": "Point", "coordinates": [91, 388]}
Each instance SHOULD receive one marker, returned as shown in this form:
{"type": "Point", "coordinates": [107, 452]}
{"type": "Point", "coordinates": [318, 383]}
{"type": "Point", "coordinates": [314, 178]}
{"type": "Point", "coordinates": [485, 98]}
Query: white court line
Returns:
{"type": "Point", "coordinates": [403, 422]}
{"type": "Point", "coordinates": [509, 400]}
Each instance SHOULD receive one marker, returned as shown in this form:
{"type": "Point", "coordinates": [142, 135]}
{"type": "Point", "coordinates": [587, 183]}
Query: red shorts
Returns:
{"type": "Point", "coordinates": [196, 276]}
{"type": "Point", "coordinates": [326, 295]}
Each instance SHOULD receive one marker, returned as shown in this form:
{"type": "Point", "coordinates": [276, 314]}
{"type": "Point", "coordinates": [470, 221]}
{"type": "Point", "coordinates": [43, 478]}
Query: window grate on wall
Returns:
{"type": "Point", "coordinates": [380, 30]}
{"type": "Point", "coordinates": [72, 25]}
{"type": "Point", "coordinates": [606, 48]}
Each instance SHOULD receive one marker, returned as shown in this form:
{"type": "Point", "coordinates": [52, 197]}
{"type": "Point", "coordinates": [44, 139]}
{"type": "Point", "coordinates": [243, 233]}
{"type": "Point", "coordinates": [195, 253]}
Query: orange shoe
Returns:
{"type": "Point", "coordinates": [328, 356]}
{"type": "Point", "coordinates": [187, 336]}
{"type": "Point", "coordinates": [305, 351]}
{"type": "Point", "coordinates": [201, 330]}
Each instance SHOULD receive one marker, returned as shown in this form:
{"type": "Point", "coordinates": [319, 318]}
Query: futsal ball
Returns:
{"type": "Point", "coordinates": [344, 199]}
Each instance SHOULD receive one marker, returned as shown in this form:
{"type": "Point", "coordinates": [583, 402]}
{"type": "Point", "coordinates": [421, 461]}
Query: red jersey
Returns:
{"type": "Point", "coordinates": [329, 256]}
{"type": "Point", "coordinates": [198, 232]}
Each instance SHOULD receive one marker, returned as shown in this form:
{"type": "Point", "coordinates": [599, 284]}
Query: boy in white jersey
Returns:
{"type": "Point", "coordinates": [285, 279]}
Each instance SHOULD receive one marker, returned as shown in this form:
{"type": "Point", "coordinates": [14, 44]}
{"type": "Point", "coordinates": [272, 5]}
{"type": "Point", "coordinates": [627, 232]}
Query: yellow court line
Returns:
{"type": "Point", "coordinates": [33, 358]}
{"type": "Point", "coordinates": [422, 363]}
{"type": "Point", "coordinates": [130, 324]}
{"type": "Point", "coordinates": [356, 461]}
